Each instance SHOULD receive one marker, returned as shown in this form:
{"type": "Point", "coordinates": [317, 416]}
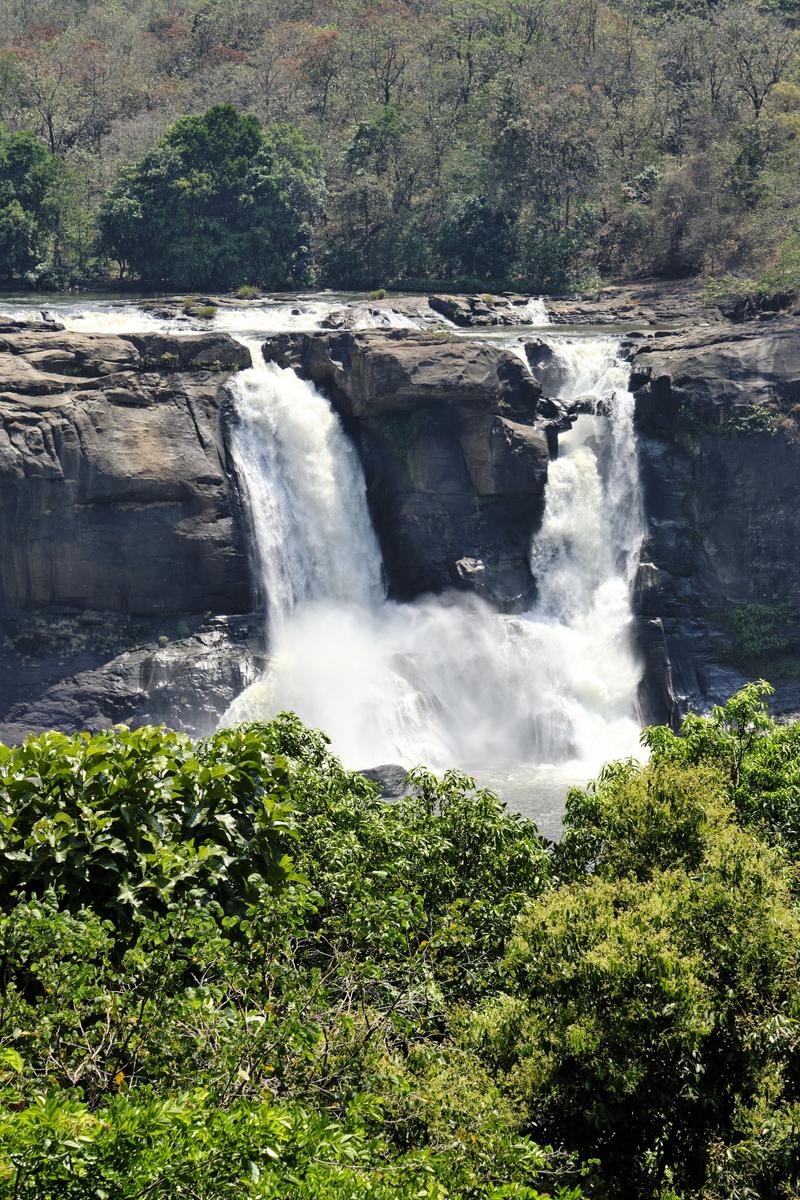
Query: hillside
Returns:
{"type": "Point", "coordinates": [535, 143]}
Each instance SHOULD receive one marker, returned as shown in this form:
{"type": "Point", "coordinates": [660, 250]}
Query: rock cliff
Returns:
{"type": "Point", "coordinates": [454, 441]}
{"type": "Point", "coordinates": [718, 415]}
{"type": "Point", "coordinates": [125, 587]}
{"type": "Point", "coordinates": [115, 502]}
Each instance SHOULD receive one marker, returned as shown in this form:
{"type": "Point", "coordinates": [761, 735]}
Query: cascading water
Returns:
{"type": "Point", "coordinates": [527, 703]}
{"type": "Point", "coordinates": [445, 680]}
{"type": "Point", "coordinates": [306, 493]}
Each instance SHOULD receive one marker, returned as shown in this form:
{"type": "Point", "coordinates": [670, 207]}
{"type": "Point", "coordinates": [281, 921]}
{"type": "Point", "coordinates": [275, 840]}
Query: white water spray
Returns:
{"type": "Point", "coordinates": [445, 680]}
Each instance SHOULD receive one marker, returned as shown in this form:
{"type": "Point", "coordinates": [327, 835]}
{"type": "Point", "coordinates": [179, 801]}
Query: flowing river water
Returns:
{"type": "Point", "coordinates": [527, 703]}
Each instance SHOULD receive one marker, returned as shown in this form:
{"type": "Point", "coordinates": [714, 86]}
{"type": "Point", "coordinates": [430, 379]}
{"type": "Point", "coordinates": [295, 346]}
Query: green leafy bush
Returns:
{"type": "Point", "coordinates": [139, 819]}
{"type": "Point", "coordinates": [759, 629]}
{"type": "Point", "coordinates": [301, 990]}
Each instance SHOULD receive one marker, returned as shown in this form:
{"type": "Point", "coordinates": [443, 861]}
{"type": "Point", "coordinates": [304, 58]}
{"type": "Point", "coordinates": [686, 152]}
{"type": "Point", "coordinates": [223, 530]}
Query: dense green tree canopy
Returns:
{"type": "Point", "coordinates": [228, 969]}
{"type": "Point", "coordinates": [218, 202]}
{"type": "Point", "coordinates": [595, 136]}
{"type": "Point", "coordinates": [28, 202]}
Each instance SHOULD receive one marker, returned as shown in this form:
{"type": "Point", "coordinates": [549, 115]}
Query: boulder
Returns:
{"type": "Point", "coordinates": [478, 311]}
{"type": "Point", "coordinates": [389, 779]}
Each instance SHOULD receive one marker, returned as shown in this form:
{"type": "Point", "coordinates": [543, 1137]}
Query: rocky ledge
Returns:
{"type": "Point", "coordinates": [718, 416]}
{"type": "Point", "coordinates": [642, 305]}
{"type": "Point", "coordinates": [453, 436]}
{"type": "Point", "coordinates": [116, 503]}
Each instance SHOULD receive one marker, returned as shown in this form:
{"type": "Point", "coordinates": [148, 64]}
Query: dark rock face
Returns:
{"type": "Point", "coordinates": [114, 489]}
{"type": "Point", "coordinates": [390, 780]}
{"type": "Point", "coordinates": [185, 681]}
{"type": "Point", "coordinates": [454, 451]}
{"type": "Point", "coordinates": [478, 311]}
{"type": "Point", "coordinates": [720, 452]}
{"type": "Point", "coordinates": [638, 305]}
{"type": "Point", "coordinates": [116, 502]}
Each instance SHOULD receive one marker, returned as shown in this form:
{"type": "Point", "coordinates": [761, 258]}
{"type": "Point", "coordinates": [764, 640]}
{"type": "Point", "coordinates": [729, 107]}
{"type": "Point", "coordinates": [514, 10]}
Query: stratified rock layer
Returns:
{"type": "Point", "coordinates": [113, 476]}
{"type": "Point", "coordinates": [454, 450]}
{"type": "Point", "coordinates": [717, 416]}
{"type": "Point", "coordinates": [116, 500]}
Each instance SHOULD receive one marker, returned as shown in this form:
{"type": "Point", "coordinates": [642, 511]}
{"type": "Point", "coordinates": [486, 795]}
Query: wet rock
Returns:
{"type": "Point", "coordinates": [44, 323]}
{"type": "Point", "coordinates": [81, 679]}
{"type": "Point", "coordinates": [390, 780]}
{"type": "Point", "coordinates": [479, 311]}
{"type": "Point", "coordinates": [546, 367]}
{"type": "Point", "coordinates": [454, 451]}
{"type": "Point", "coordinates": [719, 438]}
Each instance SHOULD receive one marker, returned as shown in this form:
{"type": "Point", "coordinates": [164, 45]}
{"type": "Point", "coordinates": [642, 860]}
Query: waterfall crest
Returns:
{"type": "Point", "coordinates": [444, 680]}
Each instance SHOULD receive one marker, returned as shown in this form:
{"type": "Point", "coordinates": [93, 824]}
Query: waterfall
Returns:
{"type": "Point", "coordinates": [444, 680]}
{"type": "Point", "coordinates": [306, 495]}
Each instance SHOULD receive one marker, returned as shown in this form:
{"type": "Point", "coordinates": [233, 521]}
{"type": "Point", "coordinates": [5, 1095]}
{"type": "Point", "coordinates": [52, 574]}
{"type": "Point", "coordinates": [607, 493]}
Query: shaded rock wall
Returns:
{"type": "Point", "coordinates": [454, 450]}
{"type": "Point", "coordinates": [720, 451]}
{"type": "Point", "coordinates": [116, 501]}
{"type": "Point", "coordinates": [114, 490]}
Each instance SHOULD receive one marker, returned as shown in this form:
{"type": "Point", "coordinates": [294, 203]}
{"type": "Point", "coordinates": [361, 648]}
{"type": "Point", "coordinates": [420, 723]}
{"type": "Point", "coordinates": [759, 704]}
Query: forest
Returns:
{"type": "Point", "coordinates": [229, 969]}
{"type": "Point", "coordinates": [542, 145]}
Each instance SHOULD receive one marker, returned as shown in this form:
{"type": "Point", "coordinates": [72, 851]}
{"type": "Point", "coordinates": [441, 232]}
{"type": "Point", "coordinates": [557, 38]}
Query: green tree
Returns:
{"type": "Point", "coordinates": [29, 176]}
{"type": "Point", "coordinates": [651, 1005]}
{"type": "Point", "coordinates": [220, 201]}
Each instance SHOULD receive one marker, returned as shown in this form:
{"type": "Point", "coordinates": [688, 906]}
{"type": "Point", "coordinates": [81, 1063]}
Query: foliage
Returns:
{"type": "Point", "coordinates": [138, 1144]}
{"type": "Point", "coordinates": [311, 992]}
{"type": "Point", "coordinates": [129, 820]}
{"type": "Point", "coordinates": [223, 982]}
{"type": "Point", "coordinates": [533, 143]}
{"type": "Point", "coordinates": [652, 1008]}
{"type": "Point", "coordinates": [28, 202]}
{"type": "Point", "coordinates": [218, 202]}
{"type": "Point", "coordinates": [776, 288]}
{"type": "Point", "coordinates": [756, 756]}
{"type": "Point", "coordinates": [759, 629]}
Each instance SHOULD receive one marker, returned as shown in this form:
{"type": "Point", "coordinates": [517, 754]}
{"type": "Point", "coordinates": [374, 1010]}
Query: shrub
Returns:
{"type": "Point", "coordinates": [134, 820]}
{"type": "Point", "coordinates": [650, 1004]}
{"type": "Point", "coordinates": [228, 968]}
{"type": "Point", "coordinates": [759, 629]}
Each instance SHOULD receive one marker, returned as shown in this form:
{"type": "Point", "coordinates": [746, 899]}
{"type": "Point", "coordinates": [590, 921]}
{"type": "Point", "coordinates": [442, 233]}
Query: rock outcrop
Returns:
{"type": "Point", "coordinates": [455, 453]}
{"type": "Point", "coordinates": [637, 306]}
{"type": "Point", "coordinates": [481, 311]}
{"type": "Point", "coordinates": [114, 491]}
{"type": "Point", "coordinates": [91, 670]}
{"type": "Point", "coordinates": [116, 501]}
{"type": "Point", "coordinates": [718, 416]}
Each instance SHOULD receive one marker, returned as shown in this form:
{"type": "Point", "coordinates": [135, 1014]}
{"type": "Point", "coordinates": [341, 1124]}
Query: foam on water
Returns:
{"type": "Point", "coordinates": [445, 680]}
